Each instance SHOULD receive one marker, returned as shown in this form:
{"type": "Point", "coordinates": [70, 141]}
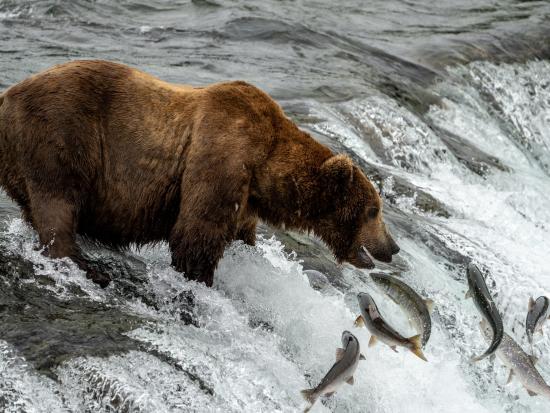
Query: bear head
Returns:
{"type": "Point", "coordinates": [350, 220]}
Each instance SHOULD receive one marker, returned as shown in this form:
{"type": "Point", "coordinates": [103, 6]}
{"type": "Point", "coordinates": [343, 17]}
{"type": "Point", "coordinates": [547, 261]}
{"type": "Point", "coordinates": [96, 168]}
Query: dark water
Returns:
{"type": "Point", "coordinates": [445, 105]}
{"type": "Point", "coordinates": [292, 49]}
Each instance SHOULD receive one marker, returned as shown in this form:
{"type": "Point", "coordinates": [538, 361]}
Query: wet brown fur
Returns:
{"type": "Point", "coordinates": [108, 152]}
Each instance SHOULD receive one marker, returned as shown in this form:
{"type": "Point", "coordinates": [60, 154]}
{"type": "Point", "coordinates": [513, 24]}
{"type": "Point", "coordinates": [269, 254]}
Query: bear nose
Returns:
{"type": "Point", "coordinates": [395, 249]}
{"type": "Point", "coordinates": [393, 246]}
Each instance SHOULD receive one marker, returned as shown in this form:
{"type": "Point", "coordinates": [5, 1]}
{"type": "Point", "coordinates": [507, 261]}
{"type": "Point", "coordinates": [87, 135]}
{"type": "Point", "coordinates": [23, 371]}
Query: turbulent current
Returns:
{"type": "Point", "coordinates": [446, 107]}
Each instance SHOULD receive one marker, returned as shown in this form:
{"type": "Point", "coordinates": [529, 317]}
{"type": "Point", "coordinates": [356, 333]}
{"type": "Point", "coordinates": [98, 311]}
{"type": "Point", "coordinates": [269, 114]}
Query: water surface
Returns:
{"type": "Point", "coordinates": [446, 106]}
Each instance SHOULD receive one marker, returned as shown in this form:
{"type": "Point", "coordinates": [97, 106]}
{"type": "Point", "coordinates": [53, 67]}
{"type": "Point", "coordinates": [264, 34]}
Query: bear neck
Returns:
{"type": "Point", "coordinates": [292, 195]}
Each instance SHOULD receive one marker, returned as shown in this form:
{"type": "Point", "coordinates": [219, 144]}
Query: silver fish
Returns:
{"type": "Point", "coordinates": [416, 307]}
{"type": "Point", "coordinates": [347, 359]}
{"type": "Point", "coordinates": [484, 302]}
{"type": "Point", "coordinates": [520, 363]}
{"type": "Point", "coordinates": [380, 329]}
{"type": "Point", "coordinates": [537, 314]}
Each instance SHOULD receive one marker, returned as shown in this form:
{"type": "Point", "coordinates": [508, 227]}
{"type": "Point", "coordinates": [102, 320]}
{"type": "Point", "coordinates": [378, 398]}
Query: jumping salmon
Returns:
{"type": "Point", "coordinates": [380, 329]}
{"type": "Point", "coordinates": [520, 363]}
{"type": "Point", "coordinates": [416, 307]}
{"type": "Point", "coordinates": [484, 303]}
{"type": "Point", "coordinates": [347, 359]}
{"type": "Point", "coordinates": [537, 314]}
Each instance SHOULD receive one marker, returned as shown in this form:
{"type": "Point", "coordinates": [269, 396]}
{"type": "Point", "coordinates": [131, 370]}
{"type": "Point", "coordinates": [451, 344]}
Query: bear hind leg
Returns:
{"type": "Point", "coordinates": [55, 220]}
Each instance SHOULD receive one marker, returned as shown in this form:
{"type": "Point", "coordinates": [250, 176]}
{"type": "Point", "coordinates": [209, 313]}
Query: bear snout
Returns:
{"type": "Point", "coordinates": [384, 250]}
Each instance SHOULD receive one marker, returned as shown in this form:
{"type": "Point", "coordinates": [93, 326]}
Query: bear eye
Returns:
{"type": "Point", "coordinates": [372, 212]}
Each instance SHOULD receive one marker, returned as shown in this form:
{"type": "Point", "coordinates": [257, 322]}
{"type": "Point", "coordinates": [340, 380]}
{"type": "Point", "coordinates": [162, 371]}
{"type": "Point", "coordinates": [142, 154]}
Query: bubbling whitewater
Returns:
{"type": "Point", "coordinates": [264, 333]}
{"type": "Point", "coordinates": [464, 172]}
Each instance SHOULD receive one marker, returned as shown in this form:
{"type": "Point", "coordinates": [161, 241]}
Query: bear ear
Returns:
{"type": "Point", "coordinates": [337, 170]}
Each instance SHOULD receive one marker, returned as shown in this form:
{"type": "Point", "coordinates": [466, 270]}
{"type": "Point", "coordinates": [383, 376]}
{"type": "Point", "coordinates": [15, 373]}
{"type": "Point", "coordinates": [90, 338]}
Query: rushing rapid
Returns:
{"type": "Point", "coordinates": [446, 107]}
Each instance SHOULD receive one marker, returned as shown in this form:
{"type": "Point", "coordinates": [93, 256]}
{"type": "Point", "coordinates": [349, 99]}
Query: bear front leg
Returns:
{"type": "Point", "coordinates": [247, 231]}
{"type": "Point", "coordinates": [212, 203]}
{"type": "Point", "coordinates": [197, 250]}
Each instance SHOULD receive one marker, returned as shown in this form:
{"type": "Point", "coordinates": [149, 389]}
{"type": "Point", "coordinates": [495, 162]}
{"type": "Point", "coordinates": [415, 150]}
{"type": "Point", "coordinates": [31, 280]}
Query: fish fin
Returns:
{"type": "Point", "coordinates": [307, 409]}
{"type": "Point", "coordinates": [307, 395]}
{"type": "Point", "coordinates": [340, 353]}
{"type": "Point", "coordinates": [531, 393]}
{"type": "Point", "coordinates": [394, 348]}
{"type": "Point", "coordinates": [329, 394]}
{"type": "Point", "coordinates": [430, 304]}
{"type": "Point", "coordinates": [361, 357]}
{"type": "Point", "coordinates": [350, 381]}
{"type": "Point", "coordinates": [417, 346]}
{"type": "Point", "coordinates": [531, 304]}
{"type": "Point", "coordinates": [359, 322]}
{"type": "Point", "coordinates": [478, 358]}
{"type": "Point", "coordinates": [372, 341]}
{"type": "Point", "coordinates": [468, 294]}
{"type": "Point", "coordinates": [534, 359]}
{"type": "Point", "coordinates": [510, 377]}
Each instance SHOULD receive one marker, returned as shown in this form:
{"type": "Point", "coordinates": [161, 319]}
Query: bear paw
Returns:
{"type": "Point", "coordinates": [102, 280]}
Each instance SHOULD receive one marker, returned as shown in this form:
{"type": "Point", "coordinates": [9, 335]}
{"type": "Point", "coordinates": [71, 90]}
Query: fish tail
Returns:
{"type": "Point", "coordinates": [497, 338]}
{"type": "Point", "coordinates": [417, 346]}
{"type": "Point", "coordinates": [308, 395]}
{"type": "Point", "coordinates": [482, 356]}
{"type": "Point", "coordinates": [359, 321]}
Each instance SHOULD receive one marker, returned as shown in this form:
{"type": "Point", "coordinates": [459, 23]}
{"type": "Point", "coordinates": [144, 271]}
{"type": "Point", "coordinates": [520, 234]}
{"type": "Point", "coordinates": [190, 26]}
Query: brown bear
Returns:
{"type": "Point", "coordinates": [118, 156]}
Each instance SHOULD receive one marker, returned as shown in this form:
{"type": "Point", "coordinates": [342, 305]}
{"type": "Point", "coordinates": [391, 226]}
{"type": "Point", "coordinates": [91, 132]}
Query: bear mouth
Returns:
{"type": "Point", "coordinates": [362, 259]}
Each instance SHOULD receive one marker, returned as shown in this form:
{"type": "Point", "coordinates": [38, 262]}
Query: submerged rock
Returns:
{"type": "Point", "coordinates": [400, 187]}
{"type": "Point", "coordinates": [470, 156]}
{"type": "Point", "coordinates": [416, 99]}
{"type": "Point", "coordinates": [313, 254]}
{"type": "Point", "coordinates": [46, 330]}
{"type": "Point", "coordinates": [184, 306]}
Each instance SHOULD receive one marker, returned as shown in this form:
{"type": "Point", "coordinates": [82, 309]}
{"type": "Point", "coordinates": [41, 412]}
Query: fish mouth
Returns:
{"type": "Point", "coordinates": [362, 259]}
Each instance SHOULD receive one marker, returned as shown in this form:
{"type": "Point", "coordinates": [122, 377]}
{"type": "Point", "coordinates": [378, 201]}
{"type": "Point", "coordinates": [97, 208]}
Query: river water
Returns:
{"type": "Point", "coordinates": [445, 105]}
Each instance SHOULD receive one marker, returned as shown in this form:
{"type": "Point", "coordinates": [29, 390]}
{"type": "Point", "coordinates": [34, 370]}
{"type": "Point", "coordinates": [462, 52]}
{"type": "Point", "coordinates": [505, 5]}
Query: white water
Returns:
{"type": "Point", "coordinates": [501, 221]}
